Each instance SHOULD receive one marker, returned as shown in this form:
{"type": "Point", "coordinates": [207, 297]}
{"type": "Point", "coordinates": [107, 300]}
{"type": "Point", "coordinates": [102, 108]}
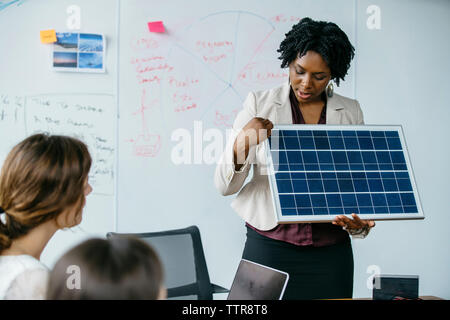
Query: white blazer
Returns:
{"type": "Point", "coordinates": [254, 201]}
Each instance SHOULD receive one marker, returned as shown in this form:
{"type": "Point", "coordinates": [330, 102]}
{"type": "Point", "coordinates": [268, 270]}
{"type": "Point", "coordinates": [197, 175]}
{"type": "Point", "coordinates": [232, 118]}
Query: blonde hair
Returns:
{"type": "Point", "coordinates": [41, 177]}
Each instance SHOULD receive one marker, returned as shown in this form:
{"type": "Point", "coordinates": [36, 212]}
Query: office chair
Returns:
{"type": "Point", "coordinates": [181, 253]}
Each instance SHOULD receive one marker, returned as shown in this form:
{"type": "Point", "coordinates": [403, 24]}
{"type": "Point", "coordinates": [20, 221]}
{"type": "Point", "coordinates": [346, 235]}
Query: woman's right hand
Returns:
{"type": "Point", "coordinates": [254, 132]}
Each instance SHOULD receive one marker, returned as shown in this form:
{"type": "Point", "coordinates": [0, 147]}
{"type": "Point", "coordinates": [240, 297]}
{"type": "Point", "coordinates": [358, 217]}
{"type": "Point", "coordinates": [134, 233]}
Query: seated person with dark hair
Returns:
{"type": "Point", "coordinates": [119, 268]}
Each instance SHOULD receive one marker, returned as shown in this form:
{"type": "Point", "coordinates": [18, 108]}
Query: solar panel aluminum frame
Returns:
{"type": "Point", "coordinates": [282, 219]}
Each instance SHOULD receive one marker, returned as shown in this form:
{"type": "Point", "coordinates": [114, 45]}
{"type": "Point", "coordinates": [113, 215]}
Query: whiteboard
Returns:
{"type": "Point", "coordinates": [192, 80]}
{"type": "Point", "coordinates": [34, 98]}
{"type": "Point", "coordinates": [89, 118]}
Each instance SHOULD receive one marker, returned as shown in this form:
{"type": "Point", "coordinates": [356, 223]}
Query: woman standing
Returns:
{"type": "Point", "coordinates": [43, 188]}
{"type": "Point", "coordinates": [318, 257]}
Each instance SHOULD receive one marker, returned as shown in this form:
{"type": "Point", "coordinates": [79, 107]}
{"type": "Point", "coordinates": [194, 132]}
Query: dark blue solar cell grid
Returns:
{"type": "Point", "coordinates": [319, 172]}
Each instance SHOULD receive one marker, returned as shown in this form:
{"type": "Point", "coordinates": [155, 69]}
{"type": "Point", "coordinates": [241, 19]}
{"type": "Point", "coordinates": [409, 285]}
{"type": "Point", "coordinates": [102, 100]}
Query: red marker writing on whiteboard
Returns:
{"type": "Point", "coordinates": [156, 26]}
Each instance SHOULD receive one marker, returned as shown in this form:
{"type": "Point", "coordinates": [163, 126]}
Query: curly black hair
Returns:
{"type": "Point", "coordinates": [325, 38]}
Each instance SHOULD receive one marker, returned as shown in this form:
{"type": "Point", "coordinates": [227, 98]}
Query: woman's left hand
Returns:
{"type": "Point", "coordinates": [355, 223]}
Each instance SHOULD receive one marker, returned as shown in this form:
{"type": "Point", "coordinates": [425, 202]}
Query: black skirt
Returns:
{"type": "Point", "coordinates": [314, 272]}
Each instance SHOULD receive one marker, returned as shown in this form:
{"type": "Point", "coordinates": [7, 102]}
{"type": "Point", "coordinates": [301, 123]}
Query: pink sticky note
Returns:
{"type": "Point", "coordinates": [156, 26]}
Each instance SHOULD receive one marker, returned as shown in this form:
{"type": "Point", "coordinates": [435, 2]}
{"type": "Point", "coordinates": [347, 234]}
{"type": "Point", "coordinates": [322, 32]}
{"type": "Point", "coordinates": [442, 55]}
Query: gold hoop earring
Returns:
{"type": "Point", "coordinates": [330, 90]}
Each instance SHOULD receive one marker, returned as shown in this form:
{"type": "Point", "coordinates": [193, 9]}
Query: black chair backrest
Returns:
{"type": "Point", "coordinates": [181, 253]}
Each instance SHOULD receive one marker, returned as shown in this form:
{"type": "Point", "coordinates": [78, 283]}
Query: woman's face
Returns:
{"type": "Point", "coordinates": [309, 76]}
{"type": "Point", "coordinates": [87, 191]}
{"type": "Point", "coordinates": [87, 188]}
{"type": "Point", "coordinates": [72, 216]}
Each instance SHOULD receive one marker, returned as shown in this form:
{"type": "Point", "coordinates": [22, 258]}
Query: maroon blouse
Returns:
{"type": "Point", "coordinates": [306, 234]}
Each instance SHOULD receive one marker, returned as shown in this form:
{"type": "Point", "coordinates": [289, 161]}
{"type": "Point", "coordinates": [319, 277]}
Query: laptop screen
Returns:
{"type": "Point", "coordinates": [254, 281]}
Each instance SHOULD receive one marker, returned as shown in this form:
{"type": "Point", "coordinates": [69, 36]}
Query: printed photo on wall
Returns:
{"type": "Point", "coordinates": [79, 52]}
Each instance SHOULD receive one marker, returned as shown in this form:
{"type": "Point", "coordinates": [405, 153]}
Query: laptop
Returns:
{"type": "Point", "coordinates": [254, 281]}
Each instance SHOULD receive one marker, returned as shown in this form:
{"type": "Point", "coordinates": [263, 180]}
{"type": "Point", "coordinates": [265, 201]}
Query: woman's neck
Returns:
{"type": "Point", "coordinates": [34, 242]}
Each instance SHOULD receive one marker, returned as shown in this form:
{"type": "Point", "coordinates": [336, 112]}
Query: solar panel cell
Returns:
{"type": "Point", "coordinates": [336, 211]}
{"type": "Point", "coordinates": [351, 210]}
{"type": "Point", "coordinates": [377, 134]}
{"type": "Point", "coordinates": [369, 157]}
{"type": "Point", "coordinates": [305, 211]}
{"type": "Point", "coordinates": [336, 143]}
{"type": "Point", "coordinates": [306, 143]}
{"type": "Point", "coordinates": [351, 143]}
{"type": "Point", "coordinates": [349, 200]}
{"type": "Point", "coordinates": [410, 209]}
{"type": "Point", "coordinates": [380, 210]}
{"type": "Point", "coordinates": [375, 185]}
{"type": "Point", "coordinates": [349, 133]}
{"type": "Point", "coordinates": [287, 201]}
{"type": "Point", "coordinates": [361, 185]}
{"type": "Point", "coordinates": [394, 144]}
{"type": "Point", "coordinates": [331, 185]}
{"type": "Point", "coordinates": [404, 185]}
{"type": "Point", "coordinates": [309, 157]}
{"type": "Point", "coordinates": [325, 157]}
{"type": "Point", "coordinates": [397, 157]}
{"type": "Point", "coordinates": [365, 143]}
{"type": "Point", "coordinates": [303, 200]}
{"type": "Point", "coordinates": [379, 143]}
{"type": "Point", "coordinates": [378, 200]}
{"type": "Point", "coordinates": [320, 211]}
{"type": "Point", "coordinates": [318, 200]}
{"type": "Point", "coordinates": [289, 212]}
{"type": "Point", "coordinates": [390, 185]}
{"type": "Point", "coordinates": [294, 157]}
{"type": "Point", "coordinates": [300, 186]}
{"type": "Point", "coordinates": [291, 143]}
{"type": "Point", "coordinates": [396, 209]}
{"type": "Point", "coordinates": [345, 185]}
{"type": "Point", "coordinates": [283, 176]}
{"type": "Point", "coordinates": [393, 199]}
{"type": "Point", "coordinates": [315, 185]}
{"type": "Point", "coordinates": [284, 186]}
{"type": "Point", "coordinates": [321, 143]}
{"type": "Point", "coordinates": [304, 133]}
{"type": "Point", "coordinates": [354, 157]}
{"type": "Point", "coordinates": [334, 200]}
{"type": "Point", "coordinates": [366, 210]}
{"type": "Point", "coordinates": [334, 133]}
{"type": "Point", "coordinates": [339, 157]}
{"type": "Point", "coordinates": [408, 199]}
{"type": "Point", "coordinates": [392, 134]}
{"type": "Point", "coordinates": [364, 200]}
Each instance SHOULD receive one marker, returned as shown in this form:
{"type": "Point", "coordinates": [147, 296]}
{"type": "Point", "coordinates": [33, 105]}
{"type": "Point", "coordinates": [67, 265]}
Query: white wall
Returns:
{"type": "Point", "coordinates": [401, 78]}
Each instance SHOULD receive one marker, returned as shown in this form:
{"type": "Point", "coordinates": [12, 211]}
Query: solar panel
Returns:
{"type": "Point", "coordinates": [317, 172]}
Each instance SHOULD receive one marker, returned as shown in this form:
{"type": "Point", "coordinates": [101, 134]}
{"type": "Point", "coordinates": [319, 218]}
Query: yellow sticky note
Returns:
{"type": "Point", "coordinates": [48, 36]}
